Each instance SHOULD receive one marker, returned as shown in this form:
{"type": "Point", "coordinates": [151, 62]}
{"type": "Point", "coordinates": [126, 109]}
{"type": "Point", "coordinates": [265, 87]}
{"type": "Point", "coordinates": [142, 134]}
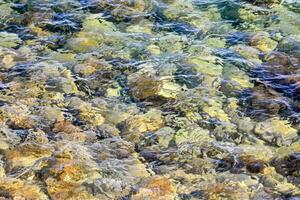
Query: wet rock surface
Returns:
{"type": "Point", "coordinates": [149, 99]}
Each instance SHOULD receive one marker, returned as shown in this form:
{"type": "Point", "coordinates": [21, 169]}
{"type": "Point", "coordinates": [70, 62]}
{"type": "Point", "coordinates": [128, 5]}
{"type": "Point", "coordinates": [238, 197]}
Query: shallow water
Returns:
{"type": "Point", "coordinates": [150, 99]}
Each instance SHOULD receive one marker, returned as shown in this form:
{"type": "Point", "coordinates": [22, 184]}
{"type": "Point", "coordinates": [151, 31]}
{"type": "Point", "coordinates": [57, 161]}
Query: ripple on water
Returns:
{"type": "Point", "coordinates": [149, 99]}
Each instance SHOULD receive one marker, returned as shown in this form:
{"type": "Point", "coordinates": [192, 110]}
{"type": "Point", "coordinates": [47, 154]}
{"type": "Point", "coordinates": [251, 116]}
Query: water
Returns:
{"type": "Point", "coordinates": [149, 99]}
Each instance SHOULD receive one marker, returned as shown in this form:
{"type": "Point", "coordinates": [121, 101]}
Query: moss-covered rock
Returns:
{"type": "Point", "coordinates": [262, 41]}
{"type": "Point", "coordinates": [276, 131]}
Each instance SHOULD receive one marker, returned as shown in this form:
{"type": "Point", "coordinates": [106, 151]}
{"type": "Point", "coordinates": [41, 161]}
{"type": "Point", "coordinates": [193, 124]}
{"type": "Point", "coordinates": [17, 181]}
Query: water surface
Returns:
{"type": "Point", "coordinates": [149, 99]}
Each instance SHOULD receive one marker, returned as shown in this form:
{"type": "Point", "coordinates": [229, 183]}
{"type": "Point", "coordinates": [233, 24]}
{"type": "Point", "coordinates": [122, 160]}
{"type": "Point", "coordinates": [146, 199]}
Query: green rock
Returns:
{"type": "Point", "coordinates": [262, 41]}
{"type": "Point", "coordinates": [5, 10]}
{"type": "Point", "coordinates": [9, 40]}
{"type": "Point", "coordinates": [94, 23]}
{"type": "Point", "coordinates": [276, 131]}
{"type": "Point", "coordinates": [165, 135]}
{"type": "Point", "coordinates": [206, 66]}
{"type": "Point", "coordinates": [215, 42]}
{"type": "Point", "coordinates": [192, 134]}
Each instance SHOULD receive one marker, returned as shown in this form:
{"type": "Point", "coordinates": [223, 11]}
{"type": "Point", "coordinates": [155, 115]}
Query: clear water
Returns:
{"type": "Point", "coordinates": [150, 99]}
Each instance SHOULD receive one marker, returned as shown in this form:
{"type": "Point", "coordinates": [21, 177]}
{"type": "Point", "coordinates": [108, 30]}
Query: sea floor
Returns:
{"type": "Point", "coordinates": [149, 99]}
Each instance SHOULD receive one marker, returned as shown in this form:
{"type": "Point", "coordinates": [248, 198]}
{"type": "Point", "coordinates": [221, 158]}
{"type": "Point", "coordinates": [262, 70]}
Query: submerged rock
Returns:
{"type": "Point", "coordinates": [9, 40]}
{"type": "Point", "coordinates": [276, 131]}
{"type": "Point", "coordinates": [262, 41]}
{"type": "Point", "coordinates": [192, 135]}
{"type": "Point", "coordinates": [18, 189]}
{"type": "Point", "coordinates": [155, 187]}
{"type": "Point", "coordinates": [150, 121]}
{"type": "Point", "coordinates": [145, 85]}
{"type": "Point", "coordinates": [27, 154]}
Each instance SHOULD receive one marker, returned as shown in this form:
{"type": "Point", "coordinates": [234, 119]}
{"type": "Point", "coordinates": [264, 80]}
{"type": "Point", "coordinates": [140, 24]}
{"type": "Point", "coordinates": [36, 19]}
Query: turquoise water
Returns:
{"type": "Point", "coordinates": [149, 99]}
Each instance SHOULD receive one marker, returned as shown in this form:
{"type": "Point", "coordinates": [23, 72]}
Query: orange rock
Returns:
{"type": "Point", "coordinates": [150, 121]}
{"type": "Point", "coordinates": [156, 188]}
{"type": "Point", "coordinates": [21, 121]}
{"type": "Point", "coordinates": [69, 131]}
{"type": "Point", "coordinates": [229, 190]}
{"type": "Point", "coordinates": [27, 154]}
{"type": "Point", "coordinates": [64, 190]}
{"type": "Point", "coordinates": [18, 189]}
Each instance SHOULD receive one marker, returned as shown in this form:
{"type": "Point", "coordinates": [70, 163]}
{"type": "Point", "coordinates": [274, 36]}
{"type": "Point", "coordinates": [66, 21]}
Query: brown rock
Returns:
{"type": "Point", "coordinates": [27, 154]}
{"type": "Point", "coordinates": [145, 85]}
{"type": "Point", "coordinates": [156, 188]}
{"type": "Point", "coordinates": [65, 190]}
{"type": "Point", "coordinates": [150, 121]}
{"type": "Point", "coordinates": [68, 131]}
{"type": "Point", "coordinates": [18, 189]}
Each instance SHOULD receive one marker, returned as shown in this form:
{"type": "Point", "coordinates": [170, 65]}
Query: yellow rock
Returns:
{"type": "Point", "coordinates": [169, 89]}
{"type": "Point", "coordinates": [83, 44]}
{"type": "Point", "coordinates": [84, 69]}
{"type": "Point", "coordinates": [67, 191]}
{"type": "Point", "coordinates": [113, 92]}
{"type": "Point", "coordinates": [275, 129]}
{"type": "Point", "coordinates": [216, 112]}
{"type": "Point", "coordinates": [39, 31]}
{"type": "Point", "coordinates": [156, 188]}
{"type": "Point", "coordinates": [206, 66]}
{"type": "Point", "coordinates": [150, 121]}
{"type": "Point", "coordinates": [91, 116]}
{"type": "Point", "coordinates": [20, 190]}
{"type": "Point", "coordinates": [27, 154]}
{"type": "Point", "coordinates": [229, 190]}
{"type": "Point", "coordinates": [8, 61]}
{"type": "Point", "coordinates": [263, 42]}
{"type": "Point", "coordinates": [153, 49]}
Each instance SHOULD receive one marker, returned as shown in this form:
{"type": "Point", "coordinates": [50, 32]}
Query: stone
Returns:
{"type": "Point", "coordinates": [165, 135]}
{"type": "Point", "coordinates": [13, 188]}
{"type": "Point", "coordinates": [82, 44]}
{"type": "Point", "coordinates": [27, 154]}
{"type": "Point", "coordinates": [206, 66]}
{"type": "Point", "coordinates": [145, 85]}
{"type": "Point", "coordinates": [257, 151]}
{"type": "Point", "coordinates": [214, 109]}
{"type": "Point", "coordinates": [5, 10]}
{"type": "Point", "coordinates": [37, 136]}
{"type": "Point", "coordinates": [65, 190]}
{"type": "Point", "coordinates": [125, 9]}
{"type": "Point", "coordinates": [192, 135]}
{"type": "Point", "coordinates": [84, 69]}
{"type": "Point", "coordinates": [9, 40]}
{"type": "Point", "coordinates": [177, 41]}
{"type": "Point", "coordinates": [150, 121]}
{"type": "Point", "coordinates": [143, 26]}
{"type": "Point", "coordinates": [91, 115]}
{"type": "Point", "coordinates": [154, 49]}
{"type": "Point", "coordinates": [215, 42]}
{"type": "Point", "coordinates": [227, 190]}
{"type": "Point", "coordinates": [276, 131]}
{"type": "Point", "coordinates": [95, 23]}
{"type": "Point", "coordinates": [71, 171]}
{"type": "Point", "coordinates": [262, 41]}
{"type": "Point", "coordinates": [155, 187]}
{"type": "Point", "coordinates": [289, 44]}
{"type": "Point", "coordinates": [236, 77]}
{"type": "Point", "coordinates": [68, 131]}
{"type": "Point", "coordinates": [22, 121]}
{"type": "Point", "coordinates": [49, 114]}
{"type": "Point", "coordinates": [247, 52]}
{"type": "Point", "coordinates": [169, 89]}
{"type": "Point", "coordinates": [8, 61]}
{"type": "Point", "coordinates": [63, 85]}
{"type": "Point", "coordinates": [265, 2]}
